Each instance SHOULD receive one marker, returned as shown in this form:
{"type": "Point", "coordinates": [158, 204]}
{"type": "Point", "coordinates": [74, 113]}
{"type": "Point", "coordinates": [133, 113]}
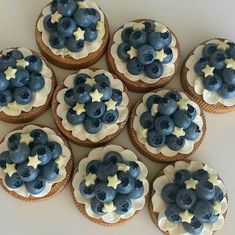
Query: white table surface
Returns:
{"type": "Point", "coordinates": [193, 22]}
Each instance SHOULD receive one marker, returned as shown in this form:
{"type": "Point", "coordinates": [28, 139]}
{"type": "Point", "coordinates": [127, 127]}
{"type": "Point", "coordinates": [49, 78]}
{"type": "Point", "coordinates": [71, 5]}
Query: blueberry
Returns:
{"type": "Point", "coordinates": [80, 78]}
{"type": "Point", "coordinates": [154, 70]}
{"type": "Point", "coordinates": [200, 175]}
{"type": "Point", "coordinates": [138, 190]}
{"type": "Point", "coordinates": [69, 98]}
{"type": "Point", "coordinates": [14, 181]}
{"type": "Point", "coordinates": [87, 192]}
{"type": "Point", "coordinates": [92, 125]}
{"type": "Point", "coordinates": [205, 190]}
{"type": "Point", "coordinates": [167, 38]}
{"type": "Point", "coordinates": [186, 198]}
{"type": "Point", "coordinates": [117, 96]}
{"type": "Point", "coordinates": [182, 118]}
{"type": "Point", "coordinates": [43, 152]}
{"type": "Point", "coordinates": [149, 26]}
{"type": "Point", "coordinates": [15, 54]}
{"type": "Point", "coordinates": [127, 183]}
{"type": "Point", "coordinates": [200, 65]}
{"type": "Point", "coordinates": [155, 139]}
{"type": "Point", "coordinates": [134, 170]}
{"type": "Point", "coordinates": [203, 211]}
{"type": "Point", "coordinates": [55, 148]}
{"type": "Point", "coordinates": [97, 207]}
{"type": "Point", "coordinates": [4, 158]}
{"type": "Point", "coordinates": [156, 40]}
{"type": "Point", "coordinates": [82, 93]}
{"type": "Point", "coordinates": [104, 193]}
{"type": "Point", "coordinates": [74, 118]}
{"type": "Point", "coordinates": [164, 125]}
{"type": "Point", "coordinates": [66, 26]}
{"type": "Point", "coordinates": [212, 83]}
{"type": "Point", "coordinates": [167, 106]}
{"type": "Point", "coordinates": [92, 166]}
{"type": "Point", "coordinates": [66, 7]}
{"type": "Point", "coordinates": [227, 91]}
{"type": "Point", "coordinates": [146, 120]}
{"type": "Point", "coordinates": [4, 83]}
{"type": "Point", "coordinates": [219, 195]}
{"type": "Point", "coordinates": [112, 157]}
{"type": "Point", "coordinates": [122, 50]}
{"type": "Point", "coordinates": [56, 40]}
{"type": "Point", "coordinates": [153, 99]}
{"type": "Point", "coordinates": [181, 176]}
{"type": "Point", "coordinates": [73, 45]}
{"type": "Point", "coordinates": [90, 35]}
{"type": "Point", "coordinates": [146, 54]}
{"type": "Point", "coordinates": [213, 219]}
{"type": "Point", "coordinates": [122, 203]}
{"type": "Point", "coordinates": [104, 89]}
{"type": "Point", "coordinates": [37, 81]}
{"type": "Point", "coordinates": [102, 79]}
{"type": "Point", "coordinates": [110, 116]}
{"type": "Point", "coordinates": [19, 153]}
{"type": "Point", "coordinates": [172, 213]}
{"type": "Point", "coordinates": [22, 78]}
{"type": "Point", "coordinates": [134, 66]}
{"type": "Point", "coordinates": [50, 171]}
{"type": "Point", "coordinates": [23, 95]}
{"type": "Point", "coordinates": [27, 173]}
{"type": "Point", "coordinates": [105, 170]}
{"type": "Point", "coordinates": [36, 186]}
{"type": "Point", "coordinates": [53, 6]}
{"type": "Point", "coordinates": [174, 95]}
{"type": "Point", "coordinates": [192, 112]}
{"type": "Point", "coordinates": [13, 141]}
{"type": "Point", "coordinates": [126, 32]}
{"type": "Point", "coordinates": [5, 97]}
{"type": "Point", "coordinates": [35, 63]}
{"type": "Point", "coordinates": [195, 227]}
{"type": "Point", "coordinates": [95, 109]}
{"type": "Point", "coordinates": [50, 27]}
{"type": "Point", "coordinates": [192, 132]}
{"type": "Point", "coordinates": [39, 136]}
{"type": "Point", "coordinates": [95, 15]}
{"type": "Point", "coordinates": [83, 17]}
{"type": "Point", "coordinates": [6, 61]}
{"type": "Point", "coordinates": [209, 49]}
{"type": "Point", "coordinates": [229, 76]}
{"type": "Point", "coordinates": [217, 59]}
{"type": "Point", "coordinates": [137, 38]}
{"type": "Point", "coordinates": [231, 52]}
{"type": "Point", "coordinates": [169, 55]}
{"type": "Point", "coordinates": [169, 192]}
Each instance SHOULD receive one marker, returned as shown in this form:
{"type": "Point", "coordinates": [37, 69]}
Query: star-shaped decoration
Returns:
{"type": "Point", "coordinates": [178, 132]}
{"type": "Point", "coordinates": [90, 81]}
{"type": "Point", "coordinates": [223, 46]}
{"type": "Point", "coordinates": [161, 29]}
{"type": "Point", "coordinates": [154, 109]}
{"type": "Point", "coordinates": [217, 207]}
{"type": "Point", "coordinates": [113, 181]}
{"type": "Point", "coordinates": [22, 63]}
{"type": "Point", "coordinates": [160, 55]}
{"type": "Point", "coordinates": [10, 73]}
{"type": "Point", "coordinates": [183, 104]}
{"type": "Point", "coordinates": [60, 161]}
{"type": "Point", "coordinates": [33, 161]}
{"type": "Point", "coordinates": [132, 53]}
{"type": "Point", "coordinates": [26, 139]}
{"type": "Point", "coordinates": [230, 63]}
{"type": "Point", "coordinates": [82, 4]}
{"type": "Point", "coordinates": [79, 34]}
{"type": "Point", "coordinates": [123, 167]}
{"type": "Point", "coordinates": [96, 96]}
{"type": "Point", "coordinates": [213, 179]}
{"type": "Point", "coordinates": [79, 108]}
{"type": "Point", "coordinates": [208, 71]}
{"type": "Point", "coordinates": [139, 27]}
{"type": "Point", "coordinates": [142, 133]}
{"type": "Point", "coordinates": [10, 169]}
{"type": "Point", "coordinates": [90, 179]}
{"type": "Point", "coordinates": [186, 216]}
{"type": "Point", "coordinates": [13, 106]}
{"type": "Point", "coordinates": [55, 17]}
{"type": "Point", "coordinates": [109, 207]}
{"type": "Point", "coordinates": [111, 104]}
{"type": "Point", "coordinates": [99, 26]}
{"type": "Point", "coordinates": [191, 183]}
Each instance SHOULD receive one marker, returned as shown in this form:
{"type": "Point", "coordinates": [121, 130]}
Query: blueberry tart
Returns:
{"type": "Point", "coordinates": [166, 125]}
{"type": "Point", "coordinates": [27, 83]}
{"type": "Point", "coordinates": [110, 185]}
{"type": "Point", "coordinates": [36, 163]}
{"type": "Point", "coordinates": [91, 107]}
{"type": "Point", "coordinates": [72, 34]}
{"type": "Point", "coordinates": [188, 198]}
{"type": "Point", "coordinates": [144, 54]}
{"type": "Point", "coordinates": [208, 74]}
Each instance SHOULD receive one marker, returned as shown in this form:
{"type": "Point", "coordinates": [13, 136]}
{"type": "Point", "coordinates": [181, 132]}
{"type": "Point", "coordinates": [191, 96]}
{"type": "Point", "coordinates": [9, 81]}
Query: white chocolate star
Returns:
{"type": "Point", "coordinates": [60, 161]}
{"type": "Point", "coordinates": [109, 207]}
{"type": "Point", "coordinates": [142, 133]}
{"type": "Point", "coordinates": [154, 109]}
{"type": "Point", "coordinates": [22, 63]}
{"type": "Point", "coordinates": [217, 207]}
{"type": "Point", "coordinates": [186, 216]}
{"type": "Point", "coordinates": [111, 104]}
{"type": "Point", "coordinates": [113, 181]}
{"type": "Point", "coordinates": [223, 46]}
{"type": "Point", "coordinates": [138, 27]}
{"type": "Point", "coordinates": [83, 5]}
{"type": "Point", "coordinates": [132, 53]}
{"type": "Point", "coordinates": [14, 105]}
{"type": "Point", "coordinates": [55, 17]}
{"type": "Point", "coordinates": [79, 108]}
{"type": "Point", "coordinates": [213, 179]}
{"type": "Point", "coordinates": [90, 81]}
{"type": "Point", "coordinates": [26, 139]}
{"type": "Point", "coordinates": [10, 169]}
{"type": "Point", "coordinates": [96, 96]}
{"type": "Point", "coordinates": [10, 73]}
{"type": "Point", "coordinates": [178, 132]}
{"type": "Point", "coordinates": [183, 104]}
{"type": "Point", "coordinates": [79, 34]}
{"type": "Point", "coordinates": [160, 55]}
{"type": "Point", "coordinates": [33, 161]}
{"type": "Point", "coordinates": [90, 179]}
{"type": "Point", "coordinates": [123, 167]}
{"type": "Point", "coordinates": [208, 71]}
{"type": "Point", "coordinates": [230, 63]}
{"type": "Point", "coordinates": [161, 29]}
{"type": "Point", "coordinates": [191, 183]}
{"type": "Point", "coordinates": [99, 26]}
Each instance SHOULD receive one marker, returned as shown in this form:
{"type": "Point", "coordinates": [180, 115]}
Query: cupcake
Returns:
{"type": "Point", "coordinates": [27, 83]}
{"type": "Point", "coordinates": [91, 107]}
{"type": "Point", "coordinates": [72, 34]}
{"type": "Point", "coordinates": [144, 54]}
{"type": "Point", "coordinates": [35, 163]}
{"type": "Point", "coordinates": [110, 185]}
{"type": "Point", "coordinates": [208, 74]}
{"type": "Point", "coordinates": [166, 125]}
{"type": "Point", "coordinates": [188, 198]}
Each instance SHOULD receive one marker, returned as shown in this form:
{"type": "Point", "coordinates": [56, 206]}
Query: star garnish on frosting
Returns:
{"type": "Point", "coordinates": [132, 53]}
{"type": "Point", "coordinates": [82, 4]}
{"type": "Point", "coordinates": [60, 161]}
{"type": "Point", "coordinates": [208, 71]}
{"type": "Point", "coordinates": [96, 96]}
{"type": "Point", "coordinates": [230, 63]}
{"type": "Point", "coordinates": [111, 104]}
{"type": "Point", "coordinates": [186, 216]}
{"type": "Point", "coordinates": [22, 63]}
{"type": "Point", "coordinates": [55, 17]}
{"type": "Point", "coordinates": [79, 34]}
{"type": "Point", "coordinates": [161, 29]}
{"type": "Point", "coordinates": [213, 179]}
{"type": "Point", "coordinates": [223, 46]}
{"type": "Point", "coordinates": [160, 55]}
{"type": "Point", "coordinates": [191, 184]}
{"type": "Point", "coordinates": [113, 181]}
{"type": "Point", "coordinates": [139, 26]}
{"type": "Point", "coordinates": [13, 105]}
{"type": "Point", "coordinates": [10, 169]}
{"type": "Point", "coordinates": [123, 167]}
{"type": "Point", "coordinates": [26, 139]}
{"type": "Point", "coordinates": [33, 161]}
{"type": "Point", "coordinates": [10, 73]}
{"type": "Point", "coordinates": [142, 133]}
{"type": "Point", "coordinates": [90, 179]}
{"type": "Point", "coordinates": [217, 207]}
{"type": "Point", "coordinates": [178, 132]}
{"type": "Point", "coordinates": [79, 108]}
{"type": "Point", "coordinates": [109, 207]}
{"type": "Point", "coordinates": [90, 81]}
{"type": "Point", "coordinates": [154, 109]}
{"type": "Point", "coordinates": [183, 104]}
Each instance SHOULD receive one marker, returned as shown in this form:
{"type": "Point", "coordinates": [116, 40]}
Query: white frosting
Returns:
{"type": "Point", "coordinates": [169, 69]}
{"type": "Point", "coordinates": [39, 97]}
{"type": "Point", "coordinates": [66, 154]}
{"type": "Point", "coordinates": [79, 131]}
{"type": "Point", "coordinates": [159, 205]}
{"type": "Point", "coordinates": [88, 47]}
{"type": "Point", "coordinates": [195, 81]}
{"type": "Point", "coordinates": [189, 145]}
{"type": "Point", "coordinates": [98, 154]}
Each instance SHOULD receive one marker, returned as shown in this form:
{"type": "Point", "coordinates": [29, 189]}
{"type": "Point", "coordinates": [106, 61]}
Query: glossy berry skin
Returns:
{"type": "Point", "coordinates": [172, 213]}
{"type": "Point", "coordinates": [112, 157]}
{"type": "Point", "coordinates": [43, 152]}
{"type": "Point", "coordinates": [23, 95]}
{"type": "Point", "coordinates": [15, 54]}
{"type": "Point", "coordinates": [122, 50]}
{"type": "Point", "coordinates": [103, 193]}
{"type": "Point", "coordinates": [95, 15]}
{"type": "Point", "coordinates": [4, 158]}
{"type": "Point", "coordinates": [192, 132]}
{"type": "Point", "coordinates": [127, 183]}
{"type": "Point", "coordinates": [4, 83]}
{"type": "Point", "coordinates": [209, 49]}
{"type": "Point", "coordinates": [13, 141]}
{"type": "Point", "coordinates": [95, 109]}
{"type": "Point", "coordinates": [217, 59]}
{"type": "Point", "coordinates": [147, 120]}
{"type": "Point", "coordinates": [212, 83]}
{"type": "Point", "coordinates": [22, 78]}
{"type": "Point", "coordinates": [169, 55]}
{"type": "Point", "coordinates": [167, 106]}
{"type": "Point", "coordinates": [229, 76]}
{"type": "Point", "coordinates": [53, 6]}
{"type": "Point", "coordinates": [154, 70]}
{"type": "Point", "coordinates": [200, 175]}
{"type": "Point", "coordinates": [92, 125]}
{"type": "Point", "coordinates": [74, 118]}
{"type": "Point", "coordinates": [37, 82]}
{"type": "Point", "coordinates": [227, 91]}
{"type": "Point", "coordinates": [6, 61]}
{"type": "Point", "coordinates": [156, 41]}
{"type": "Point", "coordinates": [104, 89]}
{"type": "Point", "coordinates": [55, 148]}
{"type": "Point", "coordinates": [146, 54]}
{"type": "Point", "coordinates": [105, 170]}
{"type": "Point", "coordinates": [182, 119]}
{"type": "Point", "coordinates": [19, 153]}
{"type": "Point", "coordinates": [66, 7]}
{"type": "Point", "coordinates": [56, 40]}
{"type": "Point", "coordinates": [27, 173]}
{"type": "Point", "coordinates": [219, 195]}
{"type": "Point", "coordinates": [181, 176]}
{"type": "Point", "coordinates": [73, 45]}
{"type": "Point", "coordinates": [167, 38]}
{"type": "Point", "coordinates": [97, 207]}
{"type": "Point", "coordinates": [137, 38]}
{"type": "Point", "coordinates": [126, 34]}
{"type": "Point", "coordinates": [186, 199]}
{"type": "Point", "coordinates": [80, 78]}
{"type": "Point", "coordinates": [134, 170]}
{"type": "Point", "coordinates": [154, 139]}
{"type": "Point", "coordinates": [134, 67]}
{"type": "Point", "coordinates": [149, 26]}
{"type": "Point", "coordinates": [164, 125]}
{"type": "Point", "coordinates": [192, 113]}
{"type": "Point", "coordinates": [50, 27]}
{"type": "Point", "coordinates": [174, 95]}
{"type": "Point", "coordinates": [110, 116]}
{"type": "Point", "coordinates": [82, 93]}
{"type": "Point", "coordinates": [203, 211]}
{"type": "Point", "coordinates": [83, 17]}
{"type": "Point", "coordinates": [195, 227]}
{"type": "Point", "coordinates": [117, 96]}
{"type": "Point", "coordinates": [102, 79]}
{"type": "Point", "coordinates": [169, 192]}
{"type": "Point", "coordinates": [66, 26]}
{"type": "Point", "coordinates": [14, 181]}
{"type": "Point", "coordinates": [69, 98]}
{"type": "Point", "coordinates": [87, 192]}
{"type": "Point", "coordinates": [50, 171]}
{"type": "Point", "coordinates": [90, 35]}
{"type": "Point", "coordinates": [200, 65]}
{"type": "Point", "coordinates": [122, 203]}
{"type": "Point", "coordinates": [92, 166]}
{"type": "Point", "coordinates": [35, 63]}
{"type": "Point", "coordinates": [5, 97]}
{"type": "Point", "coordinates": [39, 136]}
{"type": "Point", "coordinates": [138, 190]}
{"type": "Point", "coordinates": [205, 190]}
{"type": "Point", "coordinates": [36, 186]}
{"type": "Point", "coordinates": [153, 99]}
